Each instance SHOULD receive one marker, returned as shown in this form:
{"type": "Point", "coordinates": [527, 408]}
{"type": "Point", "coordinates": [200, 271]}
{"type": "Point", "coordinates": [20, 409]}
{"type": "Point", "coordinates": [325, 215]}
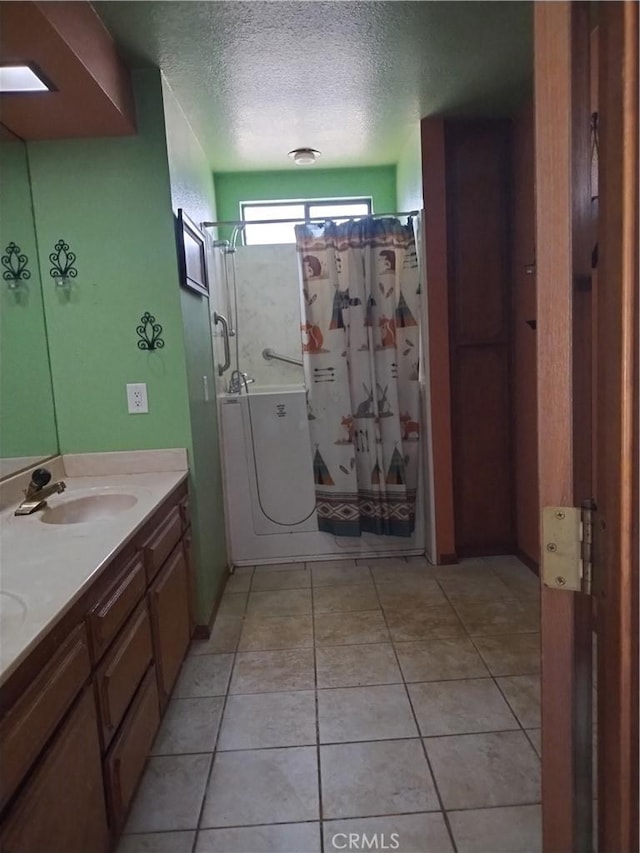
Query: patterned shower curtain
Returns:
{"type": "Point", "coordinates": [361, 341]}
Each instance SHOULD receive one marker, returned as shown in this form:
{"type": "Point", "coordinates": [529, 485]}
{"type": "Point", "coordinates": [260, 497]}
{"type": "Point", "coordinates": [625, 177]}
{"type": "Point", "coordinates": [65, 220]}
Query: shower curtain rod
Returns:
{"type": "Point", "coordinates": [237, 223]}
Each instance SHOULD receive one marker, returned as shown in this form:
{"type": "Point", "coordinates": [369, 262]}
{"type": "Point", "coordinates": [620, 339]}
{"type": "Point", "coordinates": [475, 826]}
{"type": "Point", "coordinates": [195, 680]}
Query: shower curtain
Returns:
{"type": "Point", "coordinates": [361, 342]}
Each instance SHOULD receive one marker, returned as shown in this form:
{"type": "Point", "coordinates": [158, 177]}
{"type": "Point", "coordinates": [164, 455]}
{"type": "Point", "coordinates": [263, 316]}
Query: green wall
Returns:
{"type": "Point", "coordinates": [409, 172]}
{"type": "Point", "coordinates": [192, 189]}
{"type": "Point", "coordinates": [27, 419]}
{"type": "Point", "coordinates": [301, 182]}
{"type": "Point", "coordinates": [110, 200]}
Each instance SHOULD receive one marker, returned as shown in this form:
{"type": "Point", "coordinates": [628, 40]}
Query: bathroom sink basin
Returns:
{"type": "Point", "coordinates": [89, 508]}
{"type": "Point", "coordinates": [13, 610]}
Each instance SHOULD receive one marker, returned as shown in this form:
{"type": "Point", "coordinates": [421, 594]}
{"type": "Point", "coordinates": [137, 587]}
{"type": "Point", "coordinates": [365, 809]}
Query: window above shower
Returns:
{"type": "Point", "coordinates": [281, 216]}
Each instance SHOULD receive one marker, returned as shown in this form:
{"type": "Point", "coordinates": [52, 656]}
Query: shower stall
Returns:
{"type": "Point", "coordinates": [264, 413]}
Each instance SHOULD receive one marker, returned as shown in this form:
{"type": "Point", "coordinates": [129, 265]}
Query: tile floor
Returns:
{"type": "Point", "coordinates": [335, 698]}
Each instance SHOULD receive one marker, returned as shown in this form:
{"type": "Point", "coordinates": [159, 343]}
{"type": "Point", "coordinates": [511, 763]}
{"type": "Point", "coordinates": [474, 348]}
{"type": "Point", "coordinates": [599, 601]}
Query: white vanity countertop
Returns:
{"type": "Point", "coordinates": [45, 568]}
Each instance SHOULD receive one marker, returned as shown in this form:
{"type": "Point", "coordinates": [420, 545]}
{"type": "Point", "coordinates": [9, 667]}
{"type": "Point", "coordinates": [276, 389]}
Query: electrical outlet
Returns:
{"type": "Point", "coordinates": [137, 398]}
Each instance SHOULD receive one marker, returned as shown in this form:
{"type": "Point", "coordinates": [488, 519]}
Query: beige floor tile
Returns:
{"type": "Point", "coordinates": [396, 597]}
{"type": "Point", "coordinates": [381, 561]}
{"type": "Point", "coordinates": [276, 632]}
{"type": "Point", "coordinates": [189, 725]}
{"type": "Point", "coordinates": [334, 575]}
{"type": "Point", "coordinates": [409, 833]}
{"type": "Point", "coordinates": [503, 616]}
{"type": "Point", "coordinates": [345, 598]}
{"type": "Point", "coordinates": [340, 629]}
{"type": "Point", "coordinates": [261, 786]}
{"type": "Point", "coordinates": [157, 842]}
{"type": "Point", "coordinates": [224, 637]}
{"type": "Point", "coordinates": [232, 604]}
{"type": "Point", "coordinates": [474, 569]}
{"type": "Point", "coordinates": [508, 564]}
{"type": "Point", "coordinates": [240, 580]}
{"type": "Point", "coordinates": [483, 770]}
{"type": "Point", "coordinates": [379, 778]}
{"type": "Point", "coordinates": [355, 666]}
{"type": "Point", "coordinates": [279, 838]}
{"type": "Point", "coordinates": [460, 707]}
{"type": "Point", "coordinates": [261, 720]}
{"type": "Point", "coordinates": [523, 694]}
{"type": "Point", "coordinates": [535, 736]}
{"type": "Point", "coordinates": [273, 672]}
{"type": "Point", "coordinates": [297, 578]}
{"type": "Point", "coordinates": [347, 562]}
{"type": "Point", "coordinates": [416, 560]}
{"type": "Point", "coordinates": [439, 660]}
{"type": "Point", "coordinates": [203, 675]}
{"type": "Point", "coordinates": [405, 577]}
{"type": "Point", "coordinates": [279, 567]}
{"type": "Point", "coordinates": [421, 624]}
{"type": "Point", "coordinates": [365, 713]}
{"type": "Point", "coordinates": [516, 829]}
{"type": "Point", "coordinates": [281, 602]}
{"type": "Point", "coordinates": [510, 654]}
{"type": "Point", "coordinates": [170, 794]}
{"type": "Point", "coordinates": [472, 590]}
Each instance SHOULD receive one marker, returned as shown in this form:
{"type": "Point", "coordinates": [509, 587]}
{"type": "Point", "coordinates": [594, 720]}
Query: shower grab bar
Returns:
{"type": "Point", "coordinates": [269, 354]}
{"type": "Point", "coordinates": [218, 318]}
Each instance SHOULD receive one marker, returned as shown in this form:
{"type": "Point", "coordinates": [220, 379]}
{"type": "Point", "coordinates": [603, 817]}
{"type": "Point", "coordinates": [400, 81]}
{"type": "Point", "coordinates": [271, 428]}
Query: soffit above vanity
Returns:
{"type": "Point", "coordinates": [68, 43]}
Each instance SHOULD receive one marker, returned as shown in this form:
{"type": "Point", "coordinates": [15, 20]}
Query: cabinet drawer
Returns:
{"type": "Point", "coordinates": [169, 605]}
{"type": "Point", "coordinates": [62, 807]}
{"type": "Point", "coordinates": [107, 617]}
{"type": "Point", "coordinates": [126, 758]}
{"type": "Point", "coordinates": [119, 674]}
{"type": "Point", "coordinates": [33, 719]}
{"type": "Point", "coordinates": [162, 542]}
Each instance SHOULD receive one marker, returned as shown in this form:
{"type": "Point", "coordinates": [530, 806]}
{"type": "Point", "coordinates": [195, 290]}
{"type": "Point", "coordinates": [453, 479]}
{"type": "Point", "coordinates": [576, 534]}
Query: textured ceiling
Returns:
{"type": "Point", "coordinates": [257, 79]}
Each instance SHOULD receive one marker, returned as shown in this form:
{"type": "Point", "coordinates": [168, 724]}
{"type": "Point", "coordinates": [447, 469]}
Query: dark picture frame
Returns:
{"type": "Point", "coordinates": [192, 259]}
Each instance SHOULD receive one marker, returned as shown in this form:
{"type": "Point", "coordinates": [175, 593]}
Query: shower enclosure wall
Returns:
{"type": "Point", "coordinates": [264, 433]}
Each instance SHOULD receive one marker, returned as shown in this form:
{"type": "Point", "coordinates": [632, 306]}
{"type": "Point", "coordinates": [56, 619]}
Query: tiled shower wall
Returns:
{"type": "Point", "coordinates": [268, 312]}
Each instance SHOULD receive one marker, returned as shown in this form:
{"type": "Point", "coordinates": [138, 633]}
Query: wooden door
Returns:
{"type": "Point", "coordinates": [568, 379]}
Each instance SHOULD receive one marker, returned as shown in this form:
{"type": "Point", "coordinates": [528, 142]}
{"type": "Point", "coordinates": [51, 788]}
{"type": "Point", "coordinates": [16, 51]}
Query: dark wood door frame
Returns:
{"type": "Point", "coordinates": [560, 40]}
{"type": "Point", "coordinates": [561, 69]}
{"type": "Point", "coordinates": [616, 540]}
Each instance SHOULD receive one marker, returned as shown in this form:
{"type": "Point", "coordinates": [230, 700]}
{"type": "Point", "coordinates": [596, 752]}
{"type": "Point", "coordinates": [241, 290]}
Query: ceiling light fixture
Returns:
{"type": "Point", "coordinates": [22, 78]}
{"type": "Point", "coordinates": [304, 156]}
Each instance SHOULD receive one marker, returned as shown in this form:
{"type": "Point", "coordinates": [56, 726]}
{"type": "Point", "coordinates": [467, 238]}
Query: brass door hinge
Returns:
{"type": "Point", "coordinates": [567, 539]}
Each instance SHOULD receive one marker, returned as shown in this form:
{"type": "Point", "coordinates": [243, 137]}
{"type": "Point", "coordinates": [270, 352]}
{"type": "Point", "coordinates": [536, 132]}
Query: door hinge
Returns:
{"type": "Point", "coordinates": [567, 547]}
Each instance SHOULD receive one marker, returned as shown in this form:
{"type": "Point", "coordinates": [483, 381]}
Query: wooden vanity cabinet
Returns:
{"type": "Point", "coordinates": [62, 807]}
{"type": "Point", "coordinates": [83, 710]}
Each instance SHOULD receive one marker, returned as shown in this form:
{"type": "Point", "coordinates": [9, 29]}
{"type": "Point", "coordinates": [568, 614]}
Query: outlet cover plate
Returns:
{"type": "Point", "coordinates": [137, 403]}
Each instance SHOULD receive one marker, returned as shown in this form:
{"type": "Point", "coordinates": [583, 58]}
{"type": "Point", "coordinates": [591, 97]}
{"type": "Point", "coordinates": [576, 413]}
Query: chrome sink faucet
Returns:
{"type": "Point", "coordinates": [38, 491]}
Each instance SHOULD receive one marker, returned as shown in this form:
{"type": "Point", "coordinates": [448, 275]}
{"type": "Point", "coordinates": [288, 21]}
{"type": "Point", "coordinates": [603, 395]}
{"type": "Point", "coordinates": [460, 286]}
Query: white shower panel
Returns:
{"type": "Point", "coordinates": [268, 293]}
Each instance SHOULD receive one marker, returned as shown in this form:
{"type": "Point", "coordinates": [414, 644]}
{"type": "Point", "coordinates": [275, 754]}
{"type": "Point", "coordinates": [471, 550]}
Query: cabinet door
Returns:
{"type": "Point", "coordinates": [62, 808]}
{"type": "Point", "coordinates": [169, 605]}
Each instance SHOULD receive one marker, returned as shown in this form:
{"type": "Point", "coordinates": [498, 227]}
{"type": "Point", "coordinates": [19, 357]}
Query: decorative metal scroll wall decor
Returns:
{"type": "Point", "coordinates": [15, 264]}
{"type": "Point", "coordinates": [149, 333]}
{"type": "Point", "coordinates": [62, 260]}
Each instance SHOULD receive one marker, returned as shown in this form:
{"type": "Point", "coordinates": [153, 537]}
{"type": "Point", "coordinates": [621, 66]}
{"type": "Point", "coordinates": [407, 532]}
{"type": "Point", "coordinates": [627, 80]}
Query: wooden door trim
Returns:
{"type": "Point", "coordinates": [435, 227]}
{"type": "Point", "coordinates": [565, 617]}
{"type": "Point", "coordinates": [616, 541]}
